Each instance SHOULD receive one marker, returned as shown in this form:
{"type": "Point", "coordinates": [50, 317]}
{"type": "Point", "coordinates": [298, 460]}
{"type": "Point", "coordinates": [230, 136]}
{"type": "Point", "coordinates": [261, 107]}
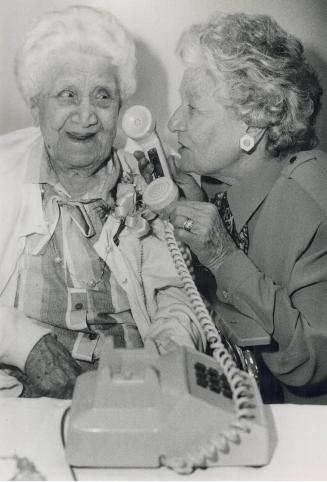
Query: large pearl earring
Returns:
{"type": "Point", "coordinates": [247, 143]}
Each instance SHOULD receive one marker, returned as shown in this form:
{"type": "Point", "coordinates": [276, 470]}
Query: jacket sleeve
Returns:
{"type": "Point", "coordinates": [294, 315]}
{"type": "Point", "coordinates": [172, 318]}
{"type": "Point", "coordinates": [175, 322]}
{"type": "Point", "coordinates": [18, 335]}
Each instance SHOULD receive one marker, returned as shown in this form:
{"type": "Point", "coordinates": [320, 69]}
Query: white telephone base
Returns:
{"type": "Point", "coordinates": [139, 407]}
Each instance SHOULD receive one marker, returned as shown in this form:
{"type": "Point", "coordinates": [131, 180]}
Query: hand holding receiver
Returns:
{"type": "Point", "coordinates": [199, 225]}
{"type": "Point", "coordinates": [50, 370]}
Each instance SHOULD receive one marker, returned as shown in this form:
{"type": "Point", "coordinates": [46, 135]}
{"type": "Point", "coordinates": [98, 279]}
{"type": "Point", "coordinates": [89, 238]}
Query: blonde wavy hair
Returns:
{"type": "Point", "coordinates": [268, 80]}
{"type": "Point", "coordinates": [80, 28]}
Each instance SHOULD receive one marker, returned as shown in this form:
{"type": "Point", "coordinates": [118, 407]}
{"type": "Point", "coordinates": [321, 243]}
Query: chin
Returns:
{"type": "Point", "coordinates": [83, 158]}
{"type": "Point", "coordinates": [186, 163]}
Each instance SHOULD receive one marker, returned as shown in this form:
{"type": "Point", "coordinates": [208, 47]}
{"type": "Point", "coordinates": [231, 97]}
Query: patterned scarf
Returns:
{"type": "Point", "coordinates": [241, 239]}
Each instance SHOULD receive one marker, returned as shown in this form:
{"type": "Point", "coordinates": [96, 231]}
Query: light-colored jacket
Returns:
{"type": "Point", "coordinates": [144, 268]}
{"type": "Point", "coordinates": [281, 284]}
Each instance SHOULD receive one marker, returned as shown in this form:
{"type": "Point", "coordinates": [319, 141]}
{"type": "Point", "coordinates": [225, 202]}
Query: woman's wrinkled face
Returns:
{"type": "Point", "coordinates": [208, 132]}
{"type": "Point", "coordinates": [78, 110]}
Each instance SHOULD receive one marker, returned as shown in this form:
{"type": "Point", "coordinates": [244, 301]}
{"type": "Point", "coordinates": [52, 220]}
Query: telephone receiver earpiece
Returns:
{"type": "Point", "coordinates": [139, 125]}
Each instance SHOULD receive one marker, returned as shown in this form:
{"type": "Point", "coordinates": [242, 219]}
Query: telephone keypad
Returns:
{"type": "Point", "coordinates": [200, 367]}
{"type": "Point", "coordinates": [201, 375]}
{"type": "Point", "coordinates": [212, 379]}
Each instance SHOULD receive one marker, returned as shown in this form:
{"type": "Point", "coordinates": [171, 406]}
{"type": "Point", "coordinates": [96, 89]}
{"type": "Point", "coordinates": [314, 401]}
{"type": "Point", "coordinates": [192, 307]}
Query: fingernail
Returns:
{"type": "Point", "coordinates": [138, 154]}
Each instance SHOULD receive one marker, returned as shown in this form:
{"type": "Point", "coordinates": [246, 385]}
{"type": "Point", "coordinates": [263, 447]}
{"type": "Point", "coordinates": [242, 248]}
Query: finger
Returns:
{"type": "Point", "coordinates": [179, 220]}
{"type": "Point", "coordinates": [196, 210]}
{"type": "Point", "coordinates": [147, 172]}
{"type": "Point", "coordinates": [146, 167]}
{"type": "Point", "coordinates": [185, 236]}
{"type": "Point", "coordinates": [193, 233]}
{"type": "Point", "coordinates": [143, 162]}
{"type": "Point", "coordinates": [147, 177]}
{"type": "Point", "coordinates": [180, 212]}
{"type": "Point", "coordinates": [139, 155]}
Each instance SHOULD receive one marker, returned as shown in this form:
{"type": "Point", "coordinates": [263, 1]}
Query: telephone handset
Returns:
{"type": "Point", "coordinates": [183, 410]}
{"type": "Point", "coordinates": [138, 124]}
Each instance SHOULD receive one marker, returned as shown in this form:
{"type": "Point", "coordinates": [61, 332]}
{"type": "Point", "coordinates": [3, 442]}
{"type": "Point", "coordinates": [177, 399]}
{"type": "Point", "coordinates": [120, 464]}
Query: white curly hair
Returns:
{"type": "Point", "coordinates": [83, 28]}
{"type": "Point", "coordinates": [268, 80]}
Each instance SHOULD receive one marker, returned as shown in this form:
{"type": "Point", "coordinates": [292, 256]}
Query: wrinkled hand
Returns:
{"type": "Point", "coordinates": [208, 239]}
{"type": "Point", "coordinates": [50, 370]}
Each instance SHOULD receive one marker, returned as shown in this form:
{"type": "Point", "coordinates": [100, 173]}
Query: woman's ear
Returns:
{"type": "Point", "coordinates": [252, 137]}
{"type": "Point", "coordinates": [35, 112]}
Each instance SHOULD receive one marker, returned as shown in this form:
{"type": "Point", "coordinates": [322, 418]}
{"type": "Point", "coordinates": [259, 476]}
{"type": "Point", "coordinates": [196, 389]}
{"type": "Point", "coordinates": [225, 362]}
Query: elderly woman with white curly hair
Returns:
{"type": "Point", "coordinates": [249, 102]}
{"type": "Point", "coordinates": [72, 273]}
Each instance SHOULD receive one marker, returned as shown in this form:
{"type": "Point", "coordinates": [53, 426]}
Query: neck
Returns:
{"type": "Point", "coordinates": [245, 164]}
{"type": "Point", "coordinates": [78, 181]}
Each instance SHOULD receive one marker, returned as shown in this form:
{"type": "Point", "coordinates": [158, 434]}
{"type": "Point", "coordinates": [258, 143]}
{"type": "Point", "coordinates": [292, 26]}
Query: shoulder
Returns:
{"type": "Point", "coordinates": [17, 147]}
{"type": "Point", "coordinates": [308, 169]}
{"type": "Point", "coordinates": [20, 138]}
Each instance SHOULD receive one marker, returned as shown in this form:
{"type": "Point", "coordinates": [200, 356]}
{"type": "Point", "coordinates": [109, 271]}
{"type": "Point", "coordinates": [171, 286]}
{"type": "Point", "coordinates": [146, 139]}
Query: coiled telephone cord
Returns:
{"type": "Point", "coordinates": [237, 379]}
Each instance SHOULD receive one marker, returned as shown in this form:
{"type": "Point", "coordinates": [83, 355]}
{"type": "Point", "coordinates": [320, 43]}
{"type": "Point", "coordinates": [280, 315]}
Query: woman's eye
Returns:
{"type": "Point", "coordinates": [103, 97]}
{"type": "Point", "coordinates": [66, 94]}
{"type": "Point", "coordinates": [66, 97]}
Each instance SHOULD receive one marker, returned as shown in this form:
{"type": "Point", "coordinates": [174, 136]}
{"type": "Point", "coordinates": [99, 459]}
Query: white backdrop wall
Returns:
{"type": "Point", "coordinates": [156, 26]}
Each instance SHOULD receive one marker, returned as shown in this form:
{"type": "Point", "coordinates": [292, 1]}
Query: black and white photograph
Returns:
{"type": "Point", "coordinates": [163, 240]}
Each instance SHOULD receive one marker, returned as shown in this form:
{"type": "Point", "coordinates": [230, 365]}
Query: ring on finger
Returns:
{"type": "Point", "coordinates": [188, 224]}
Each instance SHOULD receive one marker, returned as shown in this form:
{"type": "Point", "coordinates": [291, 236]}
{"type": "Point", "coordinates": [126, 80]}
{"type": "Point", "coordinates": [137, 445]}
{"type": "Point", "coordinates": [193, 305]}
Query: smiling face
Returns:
{"type": "Point", "coordinates": [78, 110]}
{"type": "Point", "coordinates": [207, 131]}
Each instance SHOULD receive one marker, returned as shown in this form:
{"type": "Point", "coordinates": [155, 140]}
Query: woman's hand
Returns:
{"type": "Point", "coordinates": [208, 237]}
{"type": "Point", "coordinates": [50, 370]}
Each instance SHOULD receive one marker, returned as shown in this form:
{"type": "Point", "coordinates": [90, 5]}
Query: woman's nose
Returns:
{"type": "Point", "coordinates": [85, 114]}
{"type": "Point", "coordinates": [176, 122]}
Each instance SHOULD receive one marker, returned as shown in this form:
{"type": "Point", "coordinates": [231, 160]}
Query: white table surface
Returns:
{"type": "Point", "coordinates": [31, 428]}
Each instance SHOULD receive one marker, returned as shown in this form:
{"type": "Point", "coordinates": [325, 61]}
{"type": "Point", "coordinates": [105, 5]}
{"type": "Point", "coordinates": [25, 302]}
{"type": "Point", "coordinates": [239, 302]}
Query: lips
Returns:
{"type": "Point", "coordinates": [181, 147]}
{"type": "Point", "coordinates": [77, 136]}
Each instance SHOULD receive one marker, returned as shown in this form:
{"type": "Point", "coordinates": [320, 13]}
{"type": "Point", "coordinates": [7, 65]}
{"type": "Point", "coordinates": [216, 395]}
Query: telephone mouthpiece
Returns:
{"type": "Point", "coordinates": [137, 122]}
{"type": "Point", "coordinates": [160, 195]}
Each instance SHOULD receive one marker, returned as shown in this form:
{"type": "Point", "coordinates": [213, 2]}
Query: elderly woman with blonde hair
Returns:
{"type": "Point", "coordinates": [72, 271]}
{"type": "Point", "coordinates": [249, 102]}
